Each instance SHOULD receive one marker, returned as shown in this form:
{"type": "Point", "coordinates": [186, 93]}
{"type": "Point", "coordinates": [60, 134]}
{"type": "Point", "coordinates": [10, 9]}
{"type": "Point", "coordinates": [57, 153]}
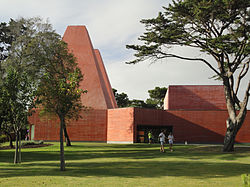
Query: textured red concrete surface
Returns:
{"type": "Point", "coordinates": [95, 81]}
{"type": "Point", "coordinates": [192, 126]}
{"type": "Point", "coordinates": [92, 127]}
{"type": "Point", "coordinates": [121, 125]}
{"type": "Point", "coordinates": [195, 97]}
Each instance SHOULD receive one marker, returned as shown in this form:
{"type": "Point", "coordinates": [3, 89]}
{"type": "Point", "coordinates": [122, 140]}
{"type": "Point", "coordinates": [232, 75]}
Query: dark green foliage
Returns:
{"type": "Point", "coordinates": [157, 96]}
{"type": "Point", "coordinates": [122, 99]}
{"type": "Point", "coordinates": [3, 138]}
{"type": "Point", "coordinates": [18, 95]}
{"type": "Point", "coordinates": [138, 103]}
{"type": "Point", "coordinates": [59, 90]}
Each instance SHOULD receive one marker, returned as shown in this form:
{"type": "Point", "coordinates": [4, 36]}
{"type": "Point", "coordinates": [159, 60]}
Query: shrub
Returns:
{"type": "Point", "coordinates": [32, 142]}
{"type": "Point", "coordinates": [246, 180]}
{"type": "Point", "coordinates": [3, 138]}
{"type": "Point", "coordinates": [40, 142]}
{"type": "Point", "coordinates": [28, 143]}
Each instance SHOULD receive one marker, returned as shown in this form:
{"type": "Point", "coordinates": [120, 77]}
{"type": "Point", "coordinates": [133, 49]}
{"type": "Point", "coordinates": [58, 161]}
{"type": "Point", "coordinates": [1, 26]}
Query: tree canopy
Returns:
{"type": "Point", "coordinates": [155, 100]}
{"type": "Point", "coordinates": [122, 99]}
{"type": "Point", "coordinates": [157, 96]}
{"type": "Point", "coordinates": [218, 28]}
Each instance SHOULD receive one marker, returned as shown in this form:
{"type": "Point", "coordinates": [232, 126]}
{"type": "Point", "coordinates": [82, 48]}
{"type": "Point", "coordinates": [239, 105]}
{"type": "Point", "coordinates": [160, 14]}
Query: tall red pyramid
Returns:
{"type": "Point", "coordinates": [95, 79]}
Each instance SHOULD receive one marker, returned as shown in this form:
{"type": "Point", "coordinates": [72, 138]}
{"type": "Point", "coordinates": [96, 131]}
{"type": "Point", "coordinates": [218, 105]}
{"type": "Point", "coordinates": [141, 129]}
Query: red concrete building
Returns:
{"type": "Point", "coordinates": [195, 114]}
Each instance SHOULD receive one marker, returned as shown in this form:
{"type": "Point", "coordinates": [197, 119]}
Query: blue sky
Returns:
{"type": "Point", "coordinates": [112, 24]}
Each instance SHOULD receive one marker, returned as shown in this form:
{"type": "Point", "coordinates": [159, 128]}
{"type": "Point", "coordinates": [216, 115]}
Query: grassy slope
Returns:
{"type": "Point", "coordinates": [99, 164]}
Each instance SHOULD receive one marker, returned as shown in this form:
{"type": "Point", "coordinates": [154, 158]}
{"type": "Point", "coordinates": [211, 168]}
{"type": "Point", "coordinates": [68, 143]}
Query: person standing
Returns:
{"type": "Point", "coordinates": [150, 137]}
{"type": "Point", "coordinates": [171, 141]}
{"type": "Point", "coordinates": [162, 141]}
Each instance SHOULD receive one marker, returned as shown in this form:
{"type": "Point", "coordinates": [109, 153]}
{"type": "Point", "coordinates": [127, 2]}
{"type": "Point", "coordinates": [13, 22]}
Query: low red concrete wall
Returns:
{"type": "Point", "coordinates": [192, 126]}
{"type": "Point", "coordinates": [92, 127]}
{"type": "Point", "coordinates": [121, 125]}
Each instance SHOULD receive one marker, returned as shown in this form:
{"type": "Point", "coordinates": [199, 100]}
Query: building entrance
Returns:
{"type": "Point", "coordinates": [142, 132]}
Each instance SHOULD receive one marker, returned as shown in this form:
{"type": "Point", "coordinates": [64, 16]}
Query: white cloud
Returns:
{"type": "Point", "coordinates": [117, 21]}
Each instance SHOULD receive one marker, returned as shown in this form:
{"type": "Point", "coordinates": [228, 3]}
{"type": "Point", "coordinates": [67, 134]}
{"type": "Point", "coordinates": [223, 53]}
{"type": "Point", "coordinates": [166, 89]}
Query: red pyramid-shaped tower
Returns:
{"type": "Point", "coordinates": [96, 82]}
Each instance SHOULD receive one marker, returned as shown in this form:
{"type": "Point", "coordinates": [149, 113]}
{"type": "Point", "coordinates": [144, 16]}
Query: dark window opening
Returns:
{"type": "Point", "coordinates": [143, 130]}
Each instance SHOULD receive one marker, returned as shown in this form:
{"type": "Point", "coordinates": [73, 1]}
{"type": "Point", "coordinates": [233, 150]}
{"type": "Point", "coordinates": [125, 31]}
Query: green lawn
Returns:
{"type": "Point", "coordinates": [100, 164]}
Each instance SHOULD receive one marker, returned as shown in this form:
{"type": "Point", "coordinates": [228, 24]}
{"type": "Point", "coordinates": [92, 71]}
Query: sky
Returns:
{"type": "Point", "coordinates": [112, 24]}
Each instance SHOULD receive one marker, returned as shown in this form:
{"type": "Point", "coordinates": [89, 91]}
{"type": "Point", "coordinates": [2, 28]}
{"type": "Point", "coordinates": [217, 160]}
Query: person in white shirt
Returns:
{"type": "Point", "coordinates": [170, 141]}
{"type": "Point", "coordinates": [162, 141]}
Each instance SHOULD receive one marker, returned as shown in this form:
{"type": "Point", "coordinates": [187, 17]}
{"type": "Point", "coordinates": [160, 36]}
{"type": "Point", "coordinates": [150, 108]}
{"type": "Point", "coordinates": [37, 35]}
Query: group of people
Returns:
{"type": "Point", "coordinates": [162, 138]}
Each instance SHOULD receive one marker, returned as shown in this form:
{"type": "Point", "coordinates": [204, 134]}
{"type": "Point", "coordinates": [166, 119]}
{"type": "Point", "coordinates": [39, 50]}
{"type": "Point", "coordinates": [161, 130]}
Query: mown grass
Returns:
{"type": "Point", "coordinates": [100, 164]}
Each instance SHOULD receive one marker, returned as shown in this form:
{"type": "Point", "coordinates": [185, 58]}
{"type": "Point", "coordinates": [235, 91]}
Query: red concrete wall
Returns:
{"type": "Point", "coordinates": [198, 126]}
{"type": "Point", "coordinates": [192, 126]}
{"type": "Point", "coordinates": [121, 125]}
{"type": "Point", "coordinates": [92, 127]}
{"type": "Point", "coordinates": [95, 80]}
{"type": "Point", "coordinates": [195, 97]}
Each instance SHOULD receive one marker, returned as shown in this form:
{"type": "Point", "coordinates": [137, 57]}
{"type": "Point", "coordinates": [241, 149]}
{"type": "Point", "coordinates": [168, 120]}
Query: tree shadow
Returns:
{"type": "Point", "coordinates": [129, 151]}
{"type": "Point", "coordinates": [132, 169]}
{"type": "Point", "coordinates": [129, 161]}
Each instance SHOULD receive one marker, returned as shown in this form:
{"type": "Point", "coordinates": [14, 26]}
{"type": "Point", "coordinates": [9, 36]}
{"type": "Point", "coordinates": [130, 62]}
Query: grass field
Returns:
{"type": "Point", "coordinates": [100, 164]}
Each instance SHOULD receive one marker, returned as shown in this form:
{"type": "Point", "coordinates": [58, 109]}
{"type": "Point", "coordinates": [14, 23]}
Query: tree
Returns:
{"type": "Point", "coordinates": [122, 99]}
{"type": "Point", "coordinates": [157, 96]}
{"type": "Point", "coordinates": [19, 74]}
{"type": "Point", "coordinates": [59, 90]}
{"type": "Point", "coordinates": [19, 93]}
{"type": "Point", "coordinates": [220, 29]}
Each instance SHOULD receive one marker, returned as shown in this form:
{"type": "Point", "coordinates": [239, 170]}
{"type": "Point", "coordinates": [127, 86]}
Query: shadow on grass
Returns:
{"type": "Point", "coordinates": [133, 169]}
{"type": "Point", "coordinates": [126, 161]}
{"type": "Point", "coordinates": [139, 151]}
